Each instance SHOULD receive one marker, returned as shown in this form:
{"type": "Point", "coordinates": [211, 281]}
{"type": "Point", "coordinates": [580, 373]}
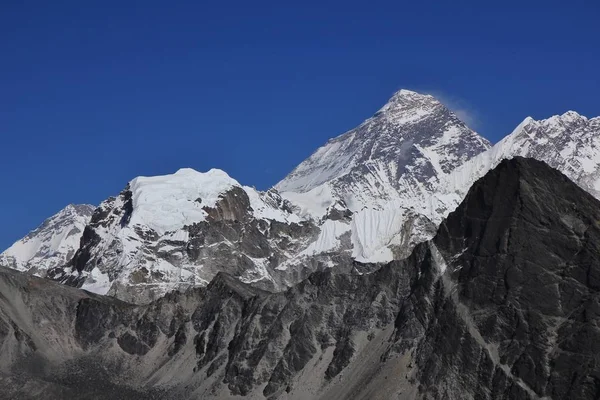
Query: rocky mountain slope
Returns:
{"type": "Point", "coordinates": [501, 304]}
{"type": "Point", "coordinates": [51, 244]}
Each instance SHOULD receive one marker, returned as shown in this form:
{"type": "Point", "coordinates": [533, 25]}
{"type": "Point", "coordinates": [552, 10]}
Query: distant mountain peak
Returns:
{"type": "Point", "coordinates": [407, 94]}
{"type": "Point", "coordinates": [397, 156]}
{"type": "Point", "coordinates": [411, 131]}
{"type": "Point", "coordinates": [568, 142]}
{"type": "Point", "coordinates": [566, 119]}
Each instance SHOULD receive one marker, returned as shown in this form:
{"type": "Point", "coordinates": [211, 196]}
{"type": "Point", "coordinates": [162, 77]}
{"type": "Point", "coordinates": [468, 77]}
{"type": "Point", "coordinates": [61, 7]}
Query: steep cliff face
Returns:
{"type": "Point", "coordinates": [501, 304]}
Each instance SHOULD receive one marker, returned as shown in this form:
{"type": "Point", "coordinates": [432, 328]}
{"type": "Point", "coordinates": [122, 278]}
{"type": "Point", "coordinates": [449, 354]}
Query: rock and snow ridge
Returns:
{"type": "Point", "coordinates": [569, 142]}
{"type": "Point", "coordinates": [51, 244]}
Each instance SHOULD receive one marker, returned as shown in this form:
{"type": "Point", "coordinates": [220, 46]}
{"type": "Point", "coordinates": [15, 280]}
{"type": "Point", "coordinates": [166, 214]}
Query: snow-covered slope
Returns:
{"type": "Point", "coordinates": [51, 244]}
{"type": "Point", "coordinates": [385, 172]}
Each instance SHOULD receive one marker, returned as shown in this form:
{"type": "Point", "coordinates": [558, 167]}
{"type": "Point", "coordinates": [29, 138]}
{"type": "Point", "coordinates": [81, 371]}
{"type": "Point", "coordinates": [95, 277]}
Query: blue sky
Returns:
{"type": "Point", "coordinates": [93, 93]}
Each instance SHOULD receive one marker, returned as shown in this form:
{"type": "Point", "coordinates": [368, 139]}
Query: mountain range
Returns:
{"type": "Point", "coordinates": [502, 303]}
{"type": "Point", "coordinates": [365, 198]}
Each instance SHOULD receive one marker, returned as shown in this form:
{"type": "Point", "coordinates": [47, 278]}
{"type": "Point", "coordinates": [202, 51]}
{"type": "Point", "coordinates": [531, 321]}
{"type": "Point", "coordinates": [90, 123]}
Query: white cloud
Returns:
{"type": "Point", "coordinates": [466, 116]}
{"type": "Point", "coordinates": [460, 107]}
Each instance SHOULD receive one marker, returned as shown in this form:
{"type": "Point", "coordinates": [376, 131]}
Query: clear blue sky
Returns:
{"type": "Point", "coordinates": [95, 93]}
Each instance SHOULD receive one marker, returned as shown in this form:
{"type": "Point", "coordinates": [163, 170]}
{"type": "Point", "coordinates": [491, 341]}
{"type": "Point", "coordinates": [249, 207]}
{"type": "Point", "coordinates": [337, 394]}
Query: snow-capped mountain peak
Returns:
{"type": "Point", "coordinates": [412, 134]}
{"type": "Point", "coordinates": [397, 156]}
{"type": "Point", "coordinates": [51, 244]}
{"type": "Point", "coordinates": [406, 106]}
{"type": "Point", "coordinates": [172, 231]}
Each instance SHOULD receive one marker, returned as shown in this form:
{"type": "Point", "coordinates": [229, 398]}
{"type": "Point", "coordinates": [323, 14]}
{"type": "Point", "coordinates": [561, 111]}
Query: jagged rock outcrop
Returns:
{"type": "Point", "coordinates": [501, 304]}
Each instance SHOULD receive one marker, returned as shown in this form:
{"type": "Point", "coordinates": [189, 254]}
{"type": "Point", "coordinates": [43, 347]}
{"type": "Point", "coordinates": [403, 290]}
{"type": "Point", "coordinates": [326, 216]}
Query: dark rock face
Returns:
{"type": "Point", "coordinates": [502, 304]}
{"type": "Point", "coordinates": [233, 206]}
{"type": "Point", "coordinates": [103, 216]}
{"type": "Point", "coordinates": [528, 266]}
{"type": "Point", "coordinates": [231, 238]}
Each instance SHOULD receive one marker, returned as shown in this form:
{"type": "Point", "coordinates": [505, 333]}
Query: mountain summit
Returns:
{"type": "Point", "coordinates": [170, 232]}
{"type": "Point", "coordinates": [397, 153]}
